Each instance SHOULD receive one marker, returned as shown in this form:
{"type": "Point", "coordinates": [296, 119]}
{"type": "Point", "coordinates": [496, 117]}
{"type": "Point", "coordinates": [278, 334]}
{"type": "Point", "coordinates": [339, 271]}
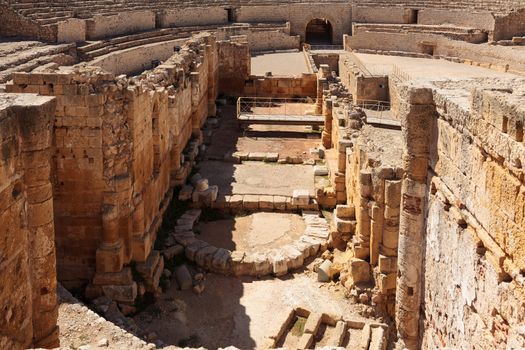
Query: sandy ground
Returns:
{"type": "Point", "coordinates": [255, 232]}
{"type": "Point", "coordinates": [425, 69]}
{"type": "Point", "coordinates": [258, 177]}
{"type": "Point", "coordinates": [284, 63]}
{"type": "Point", "coordinates": [239, 312]}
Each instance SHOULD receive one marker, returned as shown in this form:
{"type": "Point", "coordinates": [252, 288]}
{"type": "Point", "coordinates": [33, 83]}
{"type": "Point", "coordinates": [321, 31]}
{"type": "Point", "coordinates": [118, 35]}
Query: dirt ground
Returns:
{"type": "Point", "coordinates": [239, 311]}
{"type": "Point", "coordinates": [255, 232]}
{"type": "Point", "coordinates": [288, 141]}
{"type": "Point", "coordinates": [282, 63]}
{"type": "Point", "coordinates": [258, 177]}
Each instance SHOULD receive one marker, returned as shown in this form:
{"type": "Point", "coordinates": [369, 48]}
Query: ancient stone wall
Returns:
{"type": "Point", "coordinates": [363, 86]}
{"type": "Point", "coordinates": [72, 30]}
{"type": "Point", "coordinates": [495, 57]}
{"type": "Point", "coordinates": [234, 65]}
{"type": "Point", "coordinates": [338, 14]}
{"type": "Point", "coordinates": [474, 239]}
{"type": "Point", "coordinates": [511, 25]}
{"type": "Point", "coordinates": [136, 59]}
{"type": "Point", "coordinates": [460, 218]}
{"type": "Point", "coordinates": [300, 86]}
{"type": "Point", "coordinates": [118, 146]}
{"type": "Point", "coordinates": [15, 25]}
{"type": "Point", "coordinates": [192, 16]}
{"type": "Point", "coordinates": [128, 22]}
{"type": "Point", "coordinates": [27, 247]}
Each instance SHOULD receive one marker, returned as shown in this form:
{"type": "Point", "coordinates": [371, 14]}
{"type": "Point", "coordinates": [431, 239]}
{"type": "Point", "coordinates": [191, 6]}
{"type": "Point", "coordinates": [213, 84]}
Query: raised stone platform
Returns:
{"type": "Point", "coordinates": [276, 260]}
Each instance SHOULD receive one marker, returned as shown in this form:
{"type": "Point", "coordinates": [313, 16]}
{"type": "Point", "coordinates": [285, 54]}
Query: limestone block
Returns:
{"type": "Point", "coordinates": [271, 157]}
{"type": "Point", "coordinates": [359, 270]}
{"type": "Point", "coordinates": [266, 203]}
{"type": "Point", "coordinates": [236, 201]}
{"type": "Point", "coordinates": [344, 226]}
{"type": "Point", "coordinates": [393, 193]}
{"type": "Point", "coordinates": [301, 197]}
{"type": "Point", "coordinates": [123, 294]}
{"type": "Point", "coordinates": [261, 263]}
{"type": "Point", "coordinates": [120, 278]}
{"type": "Point", "coordinates": [320, 170]}
{"type": "Point", "coordinates": [390, 237]}
{"type": "Point", "coordinates": [293, 256]}
{"type": "Point", "coordinates": [279, 263]}
{"type": "Point", "coordinates": [257, 156]}
{"type": "Point", "coordinates": [173, 251]}
{"type": "Point", "coordinates": [306, 341]}
{"type": "Point", "coordinates": [222, 261]}
{"type": "Point", "coordinates": [319, 232]}
{"type": "Point", "coordinates": [250, 202]}
{"type": "Point", "coordinates": [184, 238]}
{"type": "Point", "coordinates": [387, 264]}
{"type": "Point", "coordinates": [387, 282]}
{"type": "Point", "coordinates": [204, 256]}
{"type": "Point", "coordinates": [313, 243]}
{"type": "Point", "coordinates": [313, 322]}
{"type": "Point", "coordinates": [201, 185]}
{"type": "Point", "coordinates": [147, 268]}
{"type": "Point", "coordinates": [323, 272]}
{"type": "Point", "coordinates": [193, 248]}
{"type": "Point", "coordinates": [183, 277]}
{"type": "Point", "coordinates": [279, 203]}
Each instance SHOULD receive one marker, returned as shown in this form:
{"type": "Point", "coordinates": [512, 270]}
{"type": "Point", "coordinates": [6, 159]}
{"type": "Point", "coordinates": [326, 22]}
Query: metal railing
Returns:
{"type": "Point", "coordinates": [378, 112]}
{"type": "Point", "coordinates": [273, 106]}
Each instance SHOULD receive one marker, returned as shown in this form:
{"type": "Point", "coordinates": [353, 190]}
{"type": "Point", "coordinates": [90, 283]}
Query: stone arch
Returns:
{"type": "Point", "coordinates": [319, 31]}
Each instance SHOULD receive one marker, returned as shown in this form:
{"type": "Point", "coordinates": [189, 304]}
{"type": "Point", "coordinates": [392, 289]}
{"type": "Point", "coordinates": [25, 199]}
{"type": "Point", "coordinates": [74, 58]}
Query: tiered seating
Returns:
{"type": "Point", "coordinates": [50, 12]}
{"type": "Point", "coordinates": [496, 6]}
{"type": "Point", "coordinates": [27, 56]}
{"type": "Point", "coordinates": [453, 32]}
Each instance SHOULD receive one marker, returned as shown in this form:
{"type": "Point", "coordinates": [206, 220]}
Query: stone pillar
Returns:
{"type": "Point", "coordinates": [110, 254]}
{"type": "Point", "coordinates": [417, 113]}
{"type": "Point", "coordinates": [36, 126]}
{"type": "Point", "coordinates": [326, 136]}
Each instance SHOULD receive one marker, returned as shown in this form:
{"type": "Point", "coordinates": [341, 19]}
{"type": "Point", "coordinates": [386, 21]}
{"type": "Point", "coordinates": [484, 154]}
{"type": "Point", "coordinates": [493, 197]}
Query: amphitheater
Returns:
{"type": "Point", "coordinates": [259, 174]}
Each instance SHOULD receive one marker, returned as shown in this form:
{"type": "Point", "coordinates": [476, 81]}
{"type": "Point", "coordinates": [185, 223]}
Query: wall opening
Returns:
{"type": "Point", "coordinates": [318, 32]}
{"type": "Point", "coordinates": [413, 17]}
{"type": "Point", "coordinates": [231, 15]}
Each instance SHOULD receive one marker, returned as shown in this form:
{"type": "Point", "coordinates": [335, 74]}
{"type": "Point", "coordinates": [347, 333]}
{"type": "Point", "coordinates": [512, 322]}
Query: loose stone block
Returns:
{"type": "Point", "coordinates": [183, 277]}
{"type": "Point", "coordinates": [301, 197]}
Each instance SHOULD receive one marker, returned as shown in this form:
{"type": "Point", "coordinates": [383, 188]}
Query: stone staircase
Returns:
{"type": "Point", "coordinates": [306, 329]}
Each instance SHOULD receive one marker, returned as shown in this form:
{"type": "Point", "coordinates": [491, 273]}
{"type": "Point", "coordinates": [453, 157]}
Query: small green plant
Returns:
{"type": "Point", "coordinates": [298, 327]}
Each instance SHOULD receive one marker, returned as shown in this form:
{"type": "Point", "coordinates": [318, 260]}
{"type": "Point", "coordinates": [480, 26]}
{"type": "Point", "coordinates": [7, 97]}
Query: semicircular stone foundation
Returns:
{"type": "Point", "coordinates": [287, 254]}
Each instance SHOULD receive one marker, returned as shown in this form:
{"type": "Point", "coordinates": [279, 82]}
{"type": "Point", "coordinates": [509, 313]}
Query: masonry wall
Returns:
{"type": "Point", "coordinates": [27, 260]}
{"type": "Point", "coordinates": [338, 14]}
{"type": "Point", "coordinates": [234, 65]}
{"type": "Point", "coordinates": [284, 87]}
{"type": "Point", "coordinates": [71, 30]}
{"type": "Point", "coordinates": [192, 16]}
{"type": "Point", "coordinates": [474, 243]}
{"type": "Point", "coordinates": [496, 57]}
{"type": "Point", "coordinates": [136, 59]}
{"type": "Point", "coordinates": [511, 25]}
{"type": "Point", "coordinates": [118, 145]}
{"type": "Point", "coordinates": [101, 26]}
{"type": "Point", "coordinates": [14, 25]}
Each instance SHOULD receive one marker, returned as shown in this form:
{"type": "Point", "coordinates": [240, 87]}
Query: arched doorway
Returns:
{"type": "Point", "coordinates": [318, 32]}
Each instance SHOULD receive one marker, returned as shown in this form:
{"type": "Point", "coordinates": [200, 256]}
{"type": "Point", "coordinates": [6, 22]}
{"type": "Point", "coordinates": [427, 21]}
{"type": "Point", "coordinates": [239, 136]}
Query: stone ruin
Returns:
{"type": "Point", "coordinates": [125, 150]}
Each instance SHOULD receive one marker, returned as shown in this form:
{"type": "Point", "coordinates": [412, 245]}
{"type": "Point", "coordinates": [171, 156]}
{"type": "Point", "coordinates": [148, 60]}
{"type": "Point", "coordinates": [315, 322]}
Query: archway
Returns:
{"type": "Point", "coordinates": [318, 32]}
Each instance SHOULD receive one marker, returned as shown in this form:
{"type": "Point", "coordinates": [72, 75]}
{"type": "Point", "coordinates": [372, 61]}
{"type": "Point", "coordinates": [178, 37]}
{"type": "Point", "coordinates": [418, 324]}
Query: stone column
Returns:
{"type": "Point", "coordinates": [37, 131]}
{"type": "Point", "coordinates": [326, 136]}
{"type": "Point", "coordinates": [417, 113]}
